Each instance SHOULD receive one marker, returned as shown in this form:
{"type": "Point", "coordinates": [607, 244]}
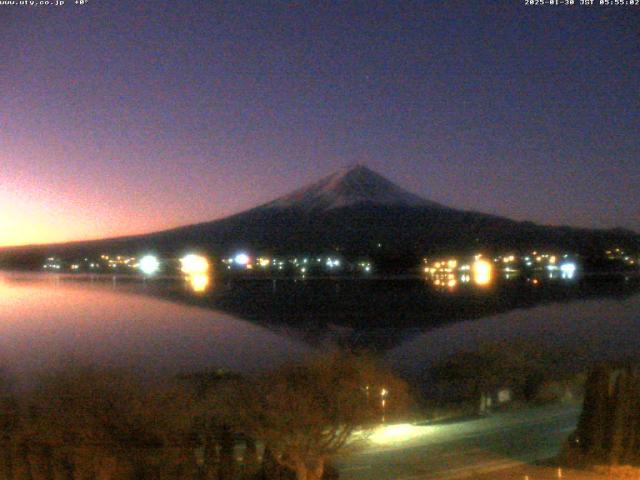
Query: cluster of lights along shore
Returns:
{"type": "Point", "coordinates": [443, 272]}
{"type": "Point", "coordinates": [451, 272]}
{"type": "Point", "coordinates": [302, 265]}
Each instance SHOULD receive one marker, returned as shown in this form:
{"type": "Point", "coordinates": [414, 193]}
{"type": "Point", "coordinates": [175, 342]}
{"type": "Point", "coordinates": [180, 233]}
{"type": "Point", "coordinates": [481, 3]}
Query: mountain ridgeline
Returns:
{"type": "Point", "coordinates": [354, 211]}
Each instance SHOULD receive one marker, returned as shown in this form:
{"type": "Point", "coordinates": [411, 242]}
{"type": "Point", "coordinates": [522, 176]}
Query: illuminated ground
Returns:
{"type": "Point", "coordinates": [465, 449]}
{"type": "Point", "coordinates": [539, 473]}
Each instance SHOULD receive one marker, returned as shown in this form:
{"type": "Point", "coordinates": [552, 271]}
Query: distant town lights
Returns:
{"type": "Point", "coordinates": [241, 258]}
{"type": "Point", "coordinates": [482, 272]}
{"type": "Point", "coordinates": [194, 264]}
{"type": "Point", "coordinates": [149, 264]}
{"type": "Point", "coordinates": [333, 262]}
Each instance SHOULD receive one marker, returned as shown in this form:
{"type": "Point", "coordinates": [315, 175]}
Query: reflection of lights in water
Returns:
{"type": "Point", "coordinates": [482, 272]}
{"type": "Point", "coordinates": [194, 264]}
{"type": "Point", "coordinates": [149, 264]}
{"type": "Point", "coordinates": [568, 270]}
{"type": "Point", "coordinates": [196, 267]}
{"type": "Point", "coordinates": [198, 282]}
{"type": "Point", "coordinates": [443, 280]}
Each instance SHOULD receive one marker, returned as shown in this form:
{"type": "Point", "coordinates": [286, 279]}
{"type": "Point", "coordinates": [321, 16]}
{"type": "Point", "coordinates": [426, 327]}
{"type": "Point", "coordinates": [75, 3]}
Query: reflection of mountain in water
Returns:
{"type": "Point", "coordinates": [380, 314]}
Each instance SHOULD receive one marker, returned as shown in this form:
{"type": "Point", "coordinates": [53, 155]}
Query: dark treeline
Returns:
{"type": "Point", "coordinates": [88, 423]}
{"type": "Point", "coordinates": [532, 375]}
{"type": "Point", "coordinates": [608, 431]}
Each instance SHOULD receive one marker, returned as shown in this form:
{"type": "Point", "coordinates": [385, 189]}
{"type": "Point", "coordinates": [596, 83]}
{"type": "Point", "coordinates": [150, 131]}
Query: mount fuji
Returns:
{"type": "Point", "coordinates": [356, 185]}
{"type": "Point", "coordinates": [354, 211]}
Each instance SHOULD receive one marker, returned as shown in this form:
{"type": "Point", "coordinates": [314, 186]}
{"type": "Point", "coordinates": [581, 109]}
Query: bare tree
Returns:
{"type": "Point", "coordinates": [9, 424]}
{"type": "Point", "coordinates": [306, 413]}
{"type": "Point", "coordinates": [96, 423]}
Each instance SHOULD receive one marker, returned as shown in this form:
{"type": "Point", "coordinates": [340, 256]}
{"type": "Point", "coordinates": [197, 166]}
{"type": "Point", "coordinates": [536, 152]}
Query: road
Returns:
{"type": "Point", "coordinates": [454, 450]}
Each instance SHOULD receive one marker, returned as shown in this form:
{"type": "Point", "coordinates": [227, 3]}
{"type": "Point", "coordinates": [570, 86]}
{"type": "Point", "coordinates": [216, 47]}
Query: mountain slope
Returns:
{"type": "Point", "coordinates": [355, 211]}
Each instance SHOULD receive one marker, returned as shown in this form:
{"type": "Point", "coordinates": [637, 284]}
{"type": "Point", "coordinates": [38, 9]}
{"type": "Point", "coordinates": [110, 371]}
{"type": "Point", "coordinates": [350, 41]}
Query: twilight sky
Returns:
{"type": "Point", "coordinates": [124, 117]}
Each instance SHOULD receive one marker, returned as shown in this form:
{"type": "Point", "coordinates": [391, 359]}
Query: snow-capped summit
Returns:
{"type": "Point", "coordinates": [347, 187]}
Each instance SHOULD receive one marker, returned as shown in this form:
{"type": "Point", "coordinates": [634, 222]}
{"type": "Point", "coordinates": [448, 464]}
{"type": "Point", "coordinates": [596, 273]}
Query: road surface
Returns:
{"type": "Point", "coordinates": [454, 450]}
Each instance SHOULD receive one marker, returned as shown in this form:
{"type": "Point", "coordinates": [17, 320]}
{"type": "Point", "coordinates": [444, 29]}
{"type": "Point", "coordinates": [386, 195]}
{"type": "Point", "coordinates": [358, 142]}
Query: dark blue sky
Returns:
{"type": "Point", "coordinates": [123, 117]}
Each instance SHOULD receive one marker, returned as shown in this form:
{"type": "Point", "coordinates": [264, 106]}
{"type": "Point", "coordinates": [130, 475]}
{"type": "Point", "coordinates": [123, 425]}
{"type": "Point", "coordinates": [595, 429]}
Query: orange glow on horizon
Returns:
{"type": "Point", "coordinates": [45, 212]}
{"type": "Point", "coordinates": [32, 227]}
{"type": "Point", "coordinates": [25, 224]}
{"type": "Point", "coordinates": [41, 229]}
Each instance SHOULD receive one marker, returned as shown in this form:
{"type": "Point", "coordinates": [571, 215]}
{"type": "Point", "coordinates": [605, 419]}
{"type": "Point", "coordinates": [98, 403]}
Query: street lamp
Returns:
{"type": "Point", "coordinates": [149, 264]}
{"type": "Point", "coordinates": [383, 396]}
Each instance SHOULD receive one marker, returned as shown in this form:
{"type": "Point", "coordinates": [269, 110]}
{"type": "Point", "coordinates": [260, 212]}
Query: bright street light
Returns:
{"type": "Point", "coordinates": [383, 395]}
{"type": "Point", "coordinates": [194, 264]}
{"type": "Point", "coordinates": [241, 259]}
{"type": "Point", "coordinates": [149, 264]}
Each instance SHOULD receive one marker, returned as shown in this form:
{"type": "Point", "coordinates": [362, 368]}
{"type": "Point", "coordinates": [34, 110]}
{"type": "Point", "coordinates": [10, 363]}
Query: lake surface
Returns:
{"type": "Point", "coordinates": [592, 330]}
{"type": "Point", "coordinates": [48, 321]}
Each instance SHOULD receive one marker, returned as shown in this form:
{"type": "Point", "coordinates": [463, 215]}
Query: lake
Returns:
{"type": "Point", "coordinates": [49, 320]}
